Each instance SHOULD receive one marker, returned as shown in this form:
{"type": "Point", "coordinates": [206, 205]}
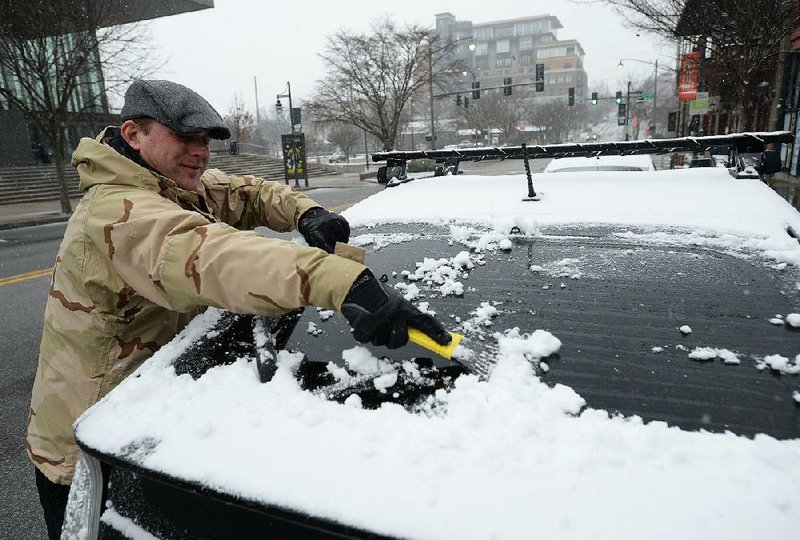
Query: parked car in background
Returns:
{"type": "Point", "coordinates": [629, 369]}
{"type": "Point", "coordinates": [601, 163]}
{"type": "Point", "coordinates": [337, 157]}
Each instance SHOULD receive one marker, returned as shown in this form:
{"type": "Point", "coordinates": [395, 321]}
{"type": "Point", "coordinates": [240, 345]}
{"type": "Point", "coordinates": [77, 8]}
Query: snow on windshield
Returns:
{"type": "Point", "coordinates": [504, 457]}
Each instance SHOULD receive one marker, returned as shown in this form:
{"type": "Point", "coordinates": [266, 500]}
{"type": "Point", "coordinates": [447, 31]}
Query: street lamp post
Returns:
{"type": "Point", "coordinates": [430, 92]}
{"type": "Point", "coordinates": [279, 105]}
{"type": "Point", "coordinates": [279, 108]}
{"type": "Point", "coordinates": [655, 88]}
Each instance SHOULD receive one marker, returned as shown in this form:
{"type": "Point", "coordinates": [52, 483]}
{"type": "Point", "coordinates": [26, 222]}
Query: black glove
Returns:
{"type": "Point", "coordinates": [381, 315]}
{"type": "Point", "coordinates": [322, 229]}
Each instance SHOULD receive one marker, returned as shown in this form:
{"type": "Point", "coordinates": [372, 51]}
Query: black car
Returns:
{"type": "Point", "coordinates": [631, 373]}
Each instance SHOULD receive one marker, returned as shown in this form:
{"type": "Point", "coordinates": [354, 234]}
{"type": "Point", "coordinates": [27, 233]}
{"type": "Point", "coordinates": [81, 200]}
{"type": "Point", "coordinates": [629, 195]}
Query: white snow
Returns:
{"type": "Point", "coordinates": [685, 329]}
{"type": "Point", "coordinates": [781, 364]}
{"type": "Point", "coordinates": [793, 319]}
{"type": "Point", "coordinates": [710, 353]}
{"type": "Point", "coordinates": [746, 211]}
{"type": "Point", "coordinates": [125, 526]}
{"type": "Point", "coordinates": [595, 164]}
{"type": "Point", "coordinates": [508, 457]}
{"type": "Point", "coordinates": [325, 314]}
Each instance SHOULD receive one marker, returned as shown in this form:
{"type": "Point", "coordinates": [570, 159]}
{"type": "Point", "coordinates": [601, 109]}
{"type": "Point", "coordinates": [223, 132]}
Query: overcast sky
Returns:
{"type": "Point", "coordinates": [218, 51]}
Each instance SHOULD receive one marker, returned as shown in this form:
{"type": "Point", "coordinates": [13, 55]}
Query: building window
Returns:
{"type": "Point", "coordinates": [570, 50]}
{"type": "Point", "coordinates": [503, 31]}
{"type": "Point", "coordinates": [525, 44]}
{"type": "Point", "coordinates": [482, 49]}
{"type": "Point", "coordinates": [483, 34]}
{"type": "Point", "coordinates": [502, 61]}
{"type": "Point", "coordinates": [551, 52]}
{"type": "Point", "coordinates": [503, 46]}
{"type": "Point", "coordinates": [568, 65]}
{"type": "Point", "coordinates": [525, 60]}
{"type": "Point", "coordinates": [523, 29]}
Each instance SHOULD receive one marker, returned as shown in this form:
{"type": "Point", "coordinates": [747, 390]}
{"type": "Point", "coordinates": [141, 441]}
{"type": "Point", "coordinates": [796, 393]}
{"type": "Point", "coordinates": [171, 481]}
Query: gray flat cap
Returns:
{"type": "Point", "coordinates": [179, 108]}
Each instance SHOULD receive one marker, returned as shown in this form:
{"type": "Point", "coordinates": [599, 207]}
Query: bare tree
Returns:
{"type": "Point", "coordinates": [372, 77]}
{"type": "Point", "coordinates": [742, 37]}
{"type": "Point", "coordinates": [496, 111]}
{"type": "Point", "coordinates": [239, 120]}
{"type": "Point", "coordinates": [57, 60]}
{"type": "Point", "coordinates": [344, 136]}
{"type": "Point", "coordinates": [554, 120]}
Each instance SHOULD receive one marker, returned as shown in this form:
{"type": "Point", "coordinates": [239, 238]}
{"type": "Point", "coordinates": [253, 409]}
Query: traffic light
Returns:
{"type": "Point", "coordinates": [571, 98]}
{"type": "Point", "coordinates": [507, 86]}
{"type": "Point", "coordinates": [466, 102]}
{"type": "Point", "coordinates": [476, 90]}
{"type": "Point", "coordinates": [594, 98]}
{"type": "Point", "coordinates": [539, 77]}
{"type": "Point", "coordinates": [458, 100]}
{"type": "Point", "coordinates": [618, 99]}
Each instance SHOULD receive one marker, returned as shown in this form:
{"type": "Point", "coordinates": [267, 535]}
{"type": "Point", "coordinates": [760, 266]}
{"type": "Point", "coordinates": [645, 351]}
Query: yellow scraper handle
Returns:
{"type": "Point", "coordinates": [423, 340]}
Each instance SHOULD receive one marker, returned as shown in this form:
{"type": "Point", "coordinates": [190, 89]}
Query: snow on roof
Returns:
{"type": "Point", "coordinates": [507, 457]}
{"type": "Point", "coordinates": [709, 201]}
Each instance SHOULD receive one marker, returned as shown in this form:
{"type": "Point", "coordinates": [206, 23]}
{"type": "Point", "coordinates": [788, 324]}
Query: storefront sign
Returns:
{"type": "Point", "coordinates": [688, 77]}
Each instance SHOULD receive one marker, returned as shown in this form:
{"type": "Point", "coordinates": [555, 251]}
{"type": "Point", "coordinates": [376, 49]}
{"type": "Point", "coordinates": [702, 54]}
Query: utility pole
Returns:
{"type": "Point", "coordinates": [655, 99]}
{"type": "Point", "coordinates": [258, 118]}
{"type": "Point", "coordinates": [430, 91]}
{"type": "Point", "coordinates": [627, 111]}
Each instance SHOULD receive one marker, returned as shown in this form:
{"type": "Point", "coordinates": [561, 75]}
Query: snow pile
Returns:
{"type": "Point", "coordinates": [685, 329]}
{"type": "Point", "coordinates": [781, 364]}
{"type": "Point", "coordinates": [379, 241]}
{"type": "Point", "coordinates": [443, 272]}
{"type": "Point", "coordinates": [313, 329]}
{"type": "Point", "coordinates": [325, 314]}
{"type": "Point", "coordinates": [710, 353]}
{"type": "Point", "coordinates": [793, 319]}
{"type": "Point", "coordinates": [507, 457]}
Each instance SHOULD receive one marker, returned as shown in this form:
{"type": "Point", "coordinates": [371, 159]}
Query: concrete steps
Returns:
{"type": "Point", "coordinates": [39, 182]}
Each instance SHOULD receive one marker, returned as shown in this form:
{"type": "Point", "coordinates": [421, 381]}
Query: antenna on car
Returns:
{"type": "Point", "coordinates": [532, 196]}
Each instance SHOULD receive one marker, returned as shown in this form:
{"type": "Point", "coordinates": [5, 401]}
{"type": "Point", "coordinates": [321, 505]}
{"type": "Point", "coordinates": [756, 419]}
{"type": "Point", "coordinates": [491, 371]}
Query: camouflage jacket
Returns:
{"type": "Point", "coordinates": [139, 257]}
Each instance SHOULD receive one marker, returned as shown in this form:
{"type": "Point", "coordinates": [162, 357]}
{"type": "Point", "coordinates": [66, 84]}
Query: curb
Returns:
{"type": "Point", "coordinates": [33, 220]}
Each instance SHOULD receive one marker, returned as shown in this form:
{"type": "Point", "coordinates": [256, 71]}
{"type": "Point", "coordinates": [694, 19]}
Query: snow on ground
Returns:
{"type": "Point", "coordinates": [504, 457]}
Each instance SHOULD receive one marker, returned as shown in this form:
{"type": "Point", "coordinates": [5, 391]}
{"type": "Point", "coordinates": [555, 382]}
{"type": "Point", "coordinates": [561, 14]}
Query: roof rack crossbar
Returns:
{"type": "Point", "coordinates": [742, 142]}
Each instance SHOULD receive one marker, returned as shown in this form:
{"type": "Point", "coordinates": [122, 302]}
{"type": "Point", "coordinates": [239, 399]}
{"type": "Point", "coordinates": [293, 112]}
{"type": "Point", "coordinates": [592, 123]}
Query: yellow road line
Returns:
{"type": "Point", "coordinates": [35, 274]}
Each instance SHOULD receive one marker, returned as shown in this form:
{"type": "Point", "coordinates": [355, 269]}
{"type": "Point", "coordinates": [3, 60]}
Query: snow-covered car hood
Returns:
{"type": "Point", "coordinates": [674, 294]}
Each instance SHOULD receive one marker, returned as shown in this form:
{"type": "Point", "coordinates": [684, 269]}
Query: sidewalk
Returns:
{"type": "Point", "coordinates": [38, 213]}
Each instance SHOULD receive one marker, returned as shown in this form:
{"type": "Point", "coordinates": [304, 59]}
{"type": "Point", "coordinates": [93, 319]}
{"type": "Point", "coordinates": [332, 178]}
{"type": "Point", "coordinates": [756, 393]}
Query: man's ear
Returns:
{"type": "Point", "coordinates": [131, 132]}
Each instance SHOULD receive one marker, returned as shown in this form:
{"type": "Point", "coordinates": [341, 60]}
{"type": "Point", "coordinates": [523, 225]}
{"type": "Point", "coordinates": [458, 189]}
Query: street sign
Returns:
{"type": "Point", "coordinates": [700, 104]}
{"type": "Point", "coordinates": [647, 95]}
{"type": "Point", "coordinates": [294, 157]}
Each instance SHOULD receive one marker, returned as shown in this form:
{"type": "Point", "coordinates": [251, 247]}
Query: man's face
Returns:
{"type": "Point", "coordinates": [182, 158]}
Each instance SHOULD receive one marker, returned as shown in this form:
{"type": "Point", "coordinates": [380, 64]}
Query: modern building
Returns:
{"type": "Point", "coordinates": [512, 48]}
{"type": "Point", "coordinates": [87, 109]}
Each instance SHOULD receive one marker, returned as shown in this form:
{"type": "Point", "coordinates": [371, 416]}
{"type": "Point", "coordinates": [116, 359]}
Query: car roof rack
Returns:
{"type": "Point", "coordinates": [448, 160]}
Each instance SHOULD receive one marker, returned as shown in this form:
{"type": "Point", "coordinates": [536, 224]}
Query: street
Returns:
{"type": "Point", "coordinates": [26, 257]}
